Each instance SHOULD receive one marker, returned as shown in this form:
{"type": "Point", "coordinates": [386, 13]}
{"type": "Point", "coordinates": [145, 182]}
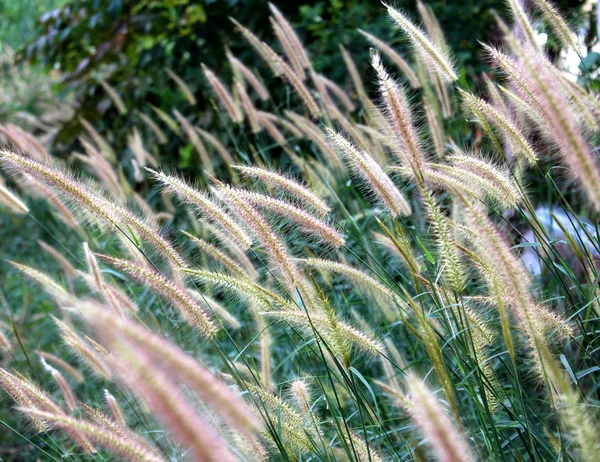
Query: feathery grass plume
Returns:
{"type": "Point", "coordinates": [218, 256]}
{"type": "Point", "coordinates": [83, 350]}
{"type": "Point", "coordinates": [370, 172]}
{"type": "Point", "coordinates": [287, 421]}
{"type": "Point", "coordinates": [156, 386]}
{"type": "Point", "coordinates": [398, 112]}
{"type": "Point", "coordinates": [356, 448]}
{"type": "Point", "coordinates": [393, 56]}
{"type": "Point", "coordinates": [271, 129]}
{"type": "Point", "coordinates": [433, 56]}
{"type": "Point", "coordinates": [215, 143]}
{"type": "Point", "coordinates": [264, 50]}
{"type": "Point", "coordinates": [289, 126]}
{"type": "Point", "coordinates": [472, 175]}
{"type": "Point", "coordinates": [512, 276]}
{"type": "Point", "coordinates": [95, 276]}
{"type": "Point", "coordinates": [445, 439]}
{"type": "Point", "coordinates": [207, 208]}
{"type": "Point", "coordinates": [187, 92]}
{"type": "Point", "coordinates": [194, 139]}
{"type": "Point", "coordinates": [243, 287]}
{"type": "Point", "coordinates": [160, 135]}
{"type": "Point", "coordinates": [525, 29]}
{"type": "Point", "coordinates": [26, 393]}
{"type": "Point", "coordinates": [294, 80]}
{"type": "Point", "coordinates": [247, 106]}
{"type": "Point", "coordinates": [65, 366]}
{"type": "Point", "coordinates": [288, 49]}
{"type": "Point", "coordinates": [284, 183]}
{"type": "Point", "coordinates": [107, 212]}
{"type": "Point", "coordinates": [362, 280]}
{"type": "Point", "coordinates": [115, 409]}
{"type": "Point", "coordinates": [167, 356]}
{"type": "Point", "coordinates": [300, 392]}
{"type": "Point", "coordinates": [354, 74]}
{"type": "Point", "coordinates": [452, 267]}
{"type": "Point", "coordinates": [265, 358]}
{"type": "Point", "coordinates": [435, 128]}
{"type": "Point", "coordinates": [566, 134]}
{"type": "Point", "coordinates": [557, 23]}
{"type": "Point", "coordinates": [52, 287]}
{"type": "Point", "coordinates": [572, 409]}
{"type": "Point", "coordinates": [233, 249]}
{"type": "Point", "coordinates": [217, 308]}
{"type": "Point", "coordinates": [272, 244]}
{"type": "Point", "coordinates": [174, 293]}
{"type": "Point", "coordinates": [11, 201]}
{"type": "Point", "coordinates": [16, 389]}
{"type": "Point", "coordinates": [25, 142]}
{"type": "Point", "coordinates": [102, 169]}
{"type": "Point", "coordinates": [485, 111]}
{"type": "Point", "coordinates": [64, 387]}
{"type": "Point", "coordinates": [364, 342]}
{"type": "Point", "coordinates": [292, 37]}
{"type": "Point", "coordinates": [105, 149]}
{"type": "Point", "coordinates": [400, 243]}
{"type": "Point", "coordinates": [303, 219]}
{"type": "Point", "coordinates": [338, 92]}
{"type": "Point", "coordinates": [223, 95]}
{"type": "Point", "coordinates": [130, 450]}
{"type": "Point", "coordinates": [66, 266]}
{"type": "Point", "coordinates": [39, 189]}
{"type": "Point", "coordinates": [114, 96]}
{"type": "Point", "coordinates": [104, 421]}
{"type": "Point", "coordinates": [249, 77]}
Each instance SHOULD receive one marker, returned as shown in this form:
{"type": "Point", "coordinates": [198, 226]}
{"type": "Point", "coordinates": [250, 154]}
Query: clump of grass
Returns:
{"type": "Point", "coordinates": [280, 356]}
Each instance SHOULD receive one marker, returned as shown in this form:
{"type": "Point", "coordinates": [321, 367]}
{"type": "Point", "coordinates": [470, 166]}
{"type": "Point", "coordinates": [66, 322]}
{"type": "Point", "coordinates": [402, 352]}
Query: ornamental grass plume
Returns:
{"type": "Point", "coordinates": [223, 95]}
{"type": "Point", "coordinates": [523, 23]}
{"type": "Point", "coordinates": [165, 355]}
{"type": "Point", "coordinates": [174, 293]}
{"type": "Point", "coordinates": [63, 385]}
{"type": "Point", "coordinates": [249, 76]}
{"type": "Point", "coordinates": [82, 349]}
{"type": "Point", "coordinates": [445, 439]}
{"type": "Point", "coordinates": [185, 90]}
{"type": "Point", "coordinates": [27, 394]}
{"type": "Point", "coordinates": [50, 286]}
{"type": "Point", "coordinates": [11, 201]}
{"type": "Point", "coordinates": [216, 308]}
{"type": "Point", "coordinates": [379, 184]}
{"type": "Point", "coordinates": [242, 287]}
{"type": "Point", "coordinates": [247, 106]}
{"type": "Point", "coordinates": [485, 112]}
{"type": "Point", "coordinates": [399, 114]}
{"type": "Point", "coordinates": [74, 373]}
{"type": "Point", "coordinates": [297, 84]}
{"type": "Point", "coordinates": [129, 450]}
{"type": "Point", "coordinates": [433, 56]}
{"type": "Point", "coordinates": [93, 203]}
{"type": "Point", "coordinates": [393, 56]}
{"type": "Point", "coordinates": [566, 134]}
{"type": "Point", "coordinates": [219, 256]}
{"type": "Point", "coordinates": [209, 210]}
{"type": "Point", "coordinates": [195, 140]}
{"type": "Point", "coordinates": [284, 183]}
{"type": "Point", "coordinates": [306, 222]}
{"type": "Point", "coordinates": [296, 45]}
{"type": "Point", "coordinates": [136, 370]}
{"type": "Point", "coordinates": [264, 50]}
{"type": "Point", "coordinates": [272, 244]}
